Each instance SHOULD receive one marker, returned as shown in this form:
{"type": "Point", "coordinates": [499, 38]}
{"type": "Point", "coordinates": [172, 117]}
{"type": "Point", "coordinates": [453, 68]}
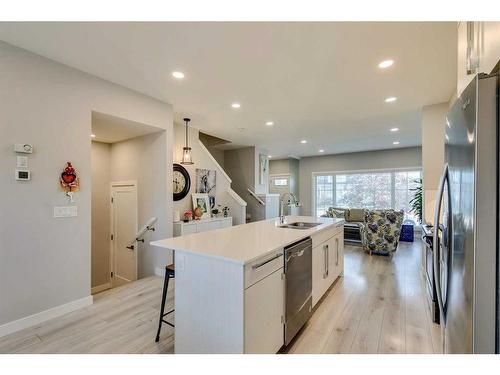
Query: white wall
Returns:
{"type": "Point", "coordinates": [101, 177]}
{"type": "Point", "coordinates": [433, 125]}
{"type": "Point", "coordinates": [45, 262]}
{"type": "Point", "coordinates": [397, 158]}
{"type": "Point", "coordinates": [202, 160]}
{"type": "Point", "coordinates": [140, 159]}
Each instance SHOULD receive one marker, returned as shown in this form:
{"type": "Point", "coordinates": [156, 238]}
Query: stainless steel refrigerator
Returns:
{"type": "Point", "coordinates": [466, 222]}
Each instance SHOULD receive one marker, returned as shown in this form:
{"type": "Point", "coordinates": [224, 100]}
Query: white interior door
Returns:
{"type": "Point", "coordinates": [124, 229]}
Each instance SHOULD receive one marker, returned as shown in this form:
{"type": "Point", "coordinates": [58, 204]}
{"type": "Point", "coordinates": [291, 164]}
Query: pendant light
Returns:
{"type": "Point", "coordinates": [186, 150]}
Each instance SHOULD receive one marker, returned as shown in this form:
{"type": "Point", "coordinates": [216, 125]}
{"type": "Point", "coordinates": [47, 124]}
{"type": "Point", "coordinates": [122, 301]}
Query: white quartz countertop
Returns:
{"type": "Point", "coordinates": [247, 242]}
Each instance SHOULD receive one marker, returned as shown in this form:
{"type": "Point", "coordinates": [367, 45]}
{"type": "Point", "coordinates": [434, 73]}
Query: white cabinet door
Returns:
{"type": "Point", "coordinates": [490, 52]}
{"type": "Point", "coordinates": [336, 260]}
{"type": "Point", "coordinates": [264, 331]}
{"type": "Point", "coordinates": [319, 271]}
{"type": "Point", "coordinates": [211, 225]}
{"type": "Point", "coordinates": [463, 79]}
{"type": "Point", "coordinates": [227, 222]}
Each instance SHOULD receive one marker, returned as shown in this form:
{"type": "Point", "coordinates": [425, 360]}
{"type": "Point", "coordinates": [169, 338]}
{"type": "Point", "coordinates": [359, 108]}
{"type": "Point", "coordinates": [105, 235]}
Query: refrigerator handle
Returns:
{"type": "Point", "coordinates": [435, 261]}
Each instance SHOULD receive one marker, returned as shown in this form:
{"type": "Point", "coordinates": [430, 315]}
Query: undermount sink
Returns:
{"type": "Point", "coordinates": [300, 225]}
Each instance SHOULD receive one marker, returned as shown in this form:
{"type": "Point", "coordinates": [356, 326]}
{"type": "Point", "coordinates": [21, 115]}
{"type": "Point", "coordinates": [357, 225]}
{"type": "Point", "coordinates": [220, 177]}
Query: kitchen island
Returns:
{"type": "Point", "coordinates": [230, 282]}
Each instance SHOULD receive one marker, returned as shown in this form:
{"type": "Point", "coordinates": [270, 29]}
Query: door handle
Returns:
{"type": "Point", "coordinates": [325, 259]}
{"type": "Point", "coordinates": [437, 212]}
{"type": "Point", "coordinates": [337, 260]}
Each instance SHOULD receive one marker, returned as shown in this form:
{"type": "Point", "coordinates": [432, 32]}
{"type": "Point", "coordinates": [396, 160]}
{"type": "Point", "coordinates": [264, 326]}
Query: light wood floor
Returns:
{"type": "Point", "coordinates": [377, 307]}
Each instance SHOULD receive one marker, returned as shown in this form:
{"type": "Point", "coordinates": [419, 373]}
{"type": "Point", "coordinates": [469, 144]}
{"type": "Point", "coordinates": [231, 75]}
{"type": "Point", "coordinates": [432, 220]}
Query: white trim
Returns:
{"type": "Point", "coordinates": [377, 170]}
{"type": "Point", "coordinates": [100, 288]}
{"type": "Point", "coordinates": [202, 146]}
{"type": "Point", "coordinates": [356, 171]}
{"type": "Point", "coordinates": [236, 197]}
{"type": "Point", "coordinates": [43, 316]}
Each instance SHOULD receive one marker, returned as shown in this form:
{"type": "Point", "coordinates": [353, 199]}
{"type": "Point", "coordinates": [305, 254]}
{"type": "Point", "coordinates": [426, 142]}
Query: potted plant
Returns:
{"type": "Point", "coordinates": [224, 210]}
{"type": "Point", "coordinates": [416, 201]}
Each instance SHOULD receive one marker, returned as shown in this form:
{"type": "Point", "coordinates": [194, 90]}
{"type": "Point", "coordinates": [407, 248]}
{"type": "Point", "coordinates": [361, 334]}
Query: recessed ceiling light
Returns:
{"type": "Point", "coordinates": [385, 64]}
{"type": "Point", "coordinates": [178, 75]}
{"type": "Point", "coordinates": [269, 156]}
{"type": "Point", "coordinates": [92, 135]}
{"type": "Point", "coordinates": [395, 143]}
{"type": "Point", "coordinates": [236, 105]}
{"type": "Point", "coordinates": [269, 123]}
{"type": "Point", "coordinates": [391, 99]}
{"type": "Point", "coordinates": [321, 150]}
{"type": "Point", "coordinates": [303, 141]}
{"type": "Point", "coordinates": [394, 129]}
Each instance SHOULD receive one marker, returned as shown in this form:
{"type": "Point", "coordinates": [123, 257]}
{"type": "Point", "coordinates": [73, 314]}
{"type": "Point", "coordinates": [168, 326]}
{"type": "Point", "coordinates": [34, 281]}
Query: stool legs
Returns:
{"type": "Point", "coordinates": [162, 309]}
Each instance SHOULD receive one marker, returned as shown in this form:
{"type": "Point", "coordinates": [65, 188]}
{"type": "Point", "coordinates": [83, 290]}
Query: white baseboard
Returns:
{"type": "Point", "coordinates": [43, 316]}
{"type": "Point", "coordinates": [100, 288]}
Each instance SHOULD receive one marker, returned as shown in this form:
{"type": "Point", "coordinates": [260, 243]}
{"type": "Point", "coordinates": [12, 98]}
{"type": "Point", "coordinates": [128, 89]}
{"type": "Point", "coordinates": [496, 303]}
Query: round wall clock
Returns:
{"type": "Point", "coordinates": [181, 182]}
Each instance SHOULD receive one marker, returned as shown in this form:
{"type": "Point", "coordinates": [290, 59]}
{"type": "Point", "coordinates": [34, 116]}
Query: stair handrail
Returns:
{"type": "Point", "coordinates": [139, 236]}
{"type": "Point", "coordinates": [260, 201]}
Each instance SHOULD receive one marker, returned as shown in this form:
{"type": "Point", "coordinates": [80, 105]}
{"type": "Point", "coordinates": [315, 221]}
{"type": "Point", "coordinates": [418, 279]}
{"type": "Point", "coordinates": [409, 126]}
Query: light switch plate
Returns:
{"type": "Point", "coordinates": [66, 211]}
{"type": "Point", "coordinates": [22, 162]}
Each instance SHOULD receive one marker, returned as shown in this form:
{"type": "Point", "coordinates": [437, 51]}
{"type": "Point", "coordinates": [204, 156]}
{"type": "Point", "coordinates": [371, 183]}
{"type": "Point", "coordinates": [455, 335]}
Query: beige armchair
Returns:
{"type": "Point", "coordinates": [381, 230]}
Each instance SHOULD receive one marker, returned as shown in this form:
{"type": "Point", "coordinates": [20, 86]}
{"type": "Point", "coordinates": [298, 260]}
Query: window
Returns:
{"type": "Point", "coordinates": [371, 189]}
{"type": "Point", "coordinates": [280, 182]}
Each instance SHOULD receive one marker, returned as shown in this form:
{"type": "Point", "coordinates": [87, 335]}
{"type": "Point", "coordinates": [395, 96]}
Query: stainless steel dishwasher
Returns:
{"type": "Point", "coordinates": [298, 286]}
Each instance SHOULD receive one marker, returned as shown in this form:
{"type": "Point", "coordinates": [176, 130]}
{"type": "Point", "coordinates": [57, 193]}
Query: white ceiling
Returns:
{"type": "Point", "coordinates": [111, 129]}
{"type": "Point", "coordinates": [316, 81]}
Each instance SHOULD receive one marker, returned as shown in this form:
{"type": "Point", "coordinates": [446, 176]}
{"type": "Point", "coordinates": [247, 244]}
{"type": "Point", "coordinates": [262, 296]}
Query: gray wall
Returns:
{"type": "Point", "coordinates": [45, 262]}
{"type": "Point", "coordinates": [239, 164]}
{"type": "Point", "coordinates": [101, 177]}
{"type": "Point", "coordinates": [140, 159]}
{"type": "Point", "coordinates": [281, 166]}
{"type": "Point", "coordinates": [397, 158]}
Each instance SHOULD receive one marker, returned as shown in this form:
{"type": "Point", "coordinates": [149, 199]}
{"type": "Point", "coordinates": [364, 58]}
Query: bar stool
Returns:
{"type": "Point", "coordinates": [169, 274]}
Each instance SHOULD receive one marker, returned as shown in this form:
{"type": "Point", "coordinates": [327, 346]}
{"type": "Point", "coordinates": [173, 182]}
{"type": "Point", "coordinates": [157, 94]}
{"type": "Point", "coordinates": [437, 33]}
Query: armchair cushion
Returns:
{"type": "Point", "coordinates": [337, 212]}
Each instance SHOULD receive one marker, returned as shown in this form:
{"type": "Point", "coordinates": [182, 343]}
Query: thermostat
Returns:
{"type": "Point", "coordinates": [23, 174]}
{"type": "Point", "coordinates": [24, 148]}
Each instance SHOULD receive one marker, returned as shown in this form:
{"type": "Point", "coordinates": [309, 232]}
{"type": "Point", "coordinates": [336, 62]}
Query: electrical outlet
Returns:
{"type": "Point", "coordinates": [66, 211]}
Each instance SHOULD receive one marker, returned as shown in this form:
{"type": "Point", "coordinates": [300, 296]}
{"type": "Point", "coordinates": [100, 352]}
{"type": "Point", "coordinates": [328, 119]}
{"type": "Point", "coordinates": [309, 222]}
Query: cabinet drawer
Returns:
{"type": "Point", "coordinates": [319, 238]}
{"type": "Point", "coordinates": [263, 267]}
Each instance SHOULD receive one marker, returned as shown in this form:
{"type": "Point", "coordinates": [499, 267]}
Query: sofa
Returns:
{"type": "Point", "coordinates": [354, 222]}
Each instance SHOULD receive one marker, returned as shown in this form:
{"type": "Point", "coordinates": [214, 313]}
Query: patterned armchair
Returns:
{"type": "Point", "coordinates": [380, 234]}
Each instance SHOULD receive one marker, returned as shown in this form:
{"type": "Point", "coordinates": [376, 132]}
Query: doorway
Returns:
{"type": "Point", "coordinates": [129, 187]}
{"type": "Point", "coordinates": [123, 232]}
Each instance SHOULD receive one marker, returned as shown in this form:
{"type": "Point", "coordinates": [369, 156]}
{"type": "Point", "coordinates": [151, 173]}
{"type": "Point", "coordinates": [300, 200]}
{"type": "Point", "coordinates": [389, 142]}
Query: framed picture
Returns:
{"type": "Point", "coordinates": [206, 183]}
{"type": "Point", "coordinates": [263, 168]}
{"type": "Point", "coordinates": [202, 200]}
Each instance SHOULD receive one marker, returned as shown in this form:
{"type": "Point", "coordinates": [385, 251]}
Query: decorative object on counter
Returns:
{"type": "Point", "coordinates": [70, 183]}
{"type": "Point", "coordinates": [263, 168]}
{"type": "Point", "coordinates": [198, 213]}
{"type": "Point", "coordinates": [181, 182]}
{"type": "Point", "coordinates": [206, 182]}
{"type": "Point", "coordinates": [177, 216]}
{"type": "Point", "coordinates": [224, 210]}
{"type": "Point", "coordinates": [416, 201]}
{"type": "Point", "coordinates": [215, 212]}
{"type": "Point", "coordinates": [187, 158]}
{"type": "Point", "coordinates": [188, 216]}
{"type": "Point", "coordinates": [201, 201]}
